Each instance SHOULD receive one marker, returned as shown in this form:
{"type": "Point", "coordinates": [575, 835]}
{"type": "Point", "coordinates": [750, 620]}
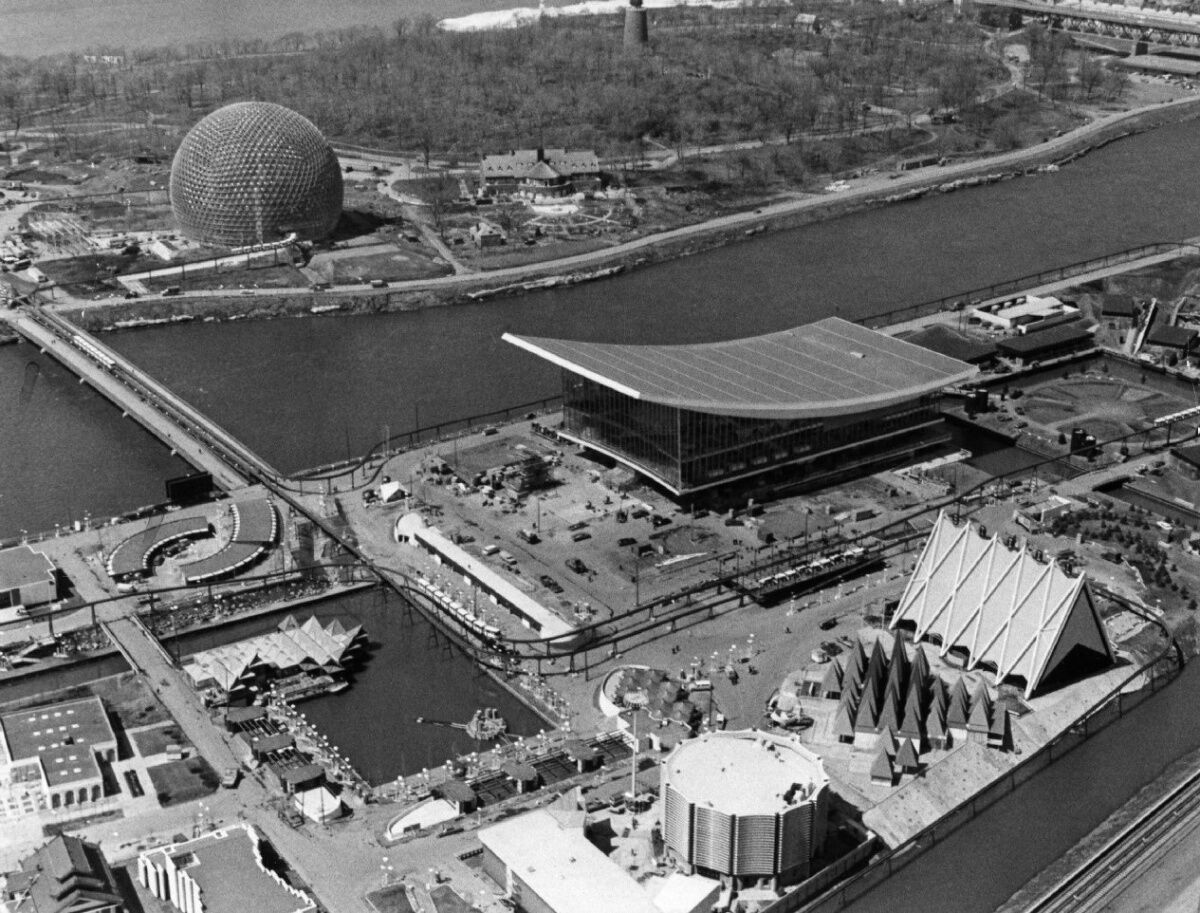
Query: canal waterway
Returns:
{"type": "Point", "coordinates": [407, 674]}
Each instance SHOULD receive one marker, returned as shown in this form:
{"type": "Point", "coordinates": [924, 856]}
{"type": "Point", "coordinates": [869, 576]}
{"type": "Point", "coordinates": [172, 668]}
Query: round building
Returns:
{"type": "Point", "coordinates": [747, 807]}
{"type": "Point", "coordinates": [254, 172]}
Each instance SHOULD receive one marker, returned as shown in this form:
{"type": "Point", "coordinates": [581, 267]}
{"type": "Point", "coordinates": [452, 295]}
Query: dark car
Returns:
{"type": "Point", "coordinates": [576, 565]}
{"type": "Point", "coordinates": [828, 624]}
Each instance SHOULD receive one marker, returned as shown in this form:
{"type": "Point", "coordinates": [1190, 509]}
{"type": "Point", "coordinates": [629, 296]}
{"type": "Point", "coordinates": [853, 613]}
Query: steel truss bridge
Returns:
{"type": "Point", "coordinates": [1092, 17]}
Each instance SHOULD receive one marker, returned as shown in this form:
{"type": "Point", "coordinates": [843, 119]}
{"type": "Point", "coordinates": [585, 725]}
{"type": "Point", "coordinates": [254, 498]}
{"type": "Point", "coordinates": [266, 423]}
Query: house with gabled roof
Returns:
{"type": "Point", "coordinates": [547, 171]}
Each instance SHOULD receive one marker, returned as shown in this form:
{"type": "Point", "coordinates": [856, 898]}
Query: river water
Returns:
{"type": "Point", "coordinates": [35, 27]}
{"type": "Point", "coordinates": [308, 391]}
{"type": "Point", "coordinates": [65, 452]}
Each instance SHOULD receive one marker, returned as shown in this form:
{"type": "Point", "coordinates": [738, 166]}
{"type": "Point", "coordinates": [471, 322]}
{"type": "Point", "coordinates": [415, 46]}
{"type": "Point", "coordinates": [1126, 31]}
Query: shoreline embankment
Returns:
{"type": "Point", "coordinates": [658, 248]}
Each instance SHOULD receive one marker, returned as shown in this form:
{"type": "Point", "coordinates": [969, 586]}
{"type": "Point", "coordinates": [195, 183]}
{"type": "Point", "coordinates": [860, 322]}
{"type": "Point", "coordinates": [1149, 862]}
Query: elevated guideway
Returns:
{"type": "Point", "coordinates": [168, 417]}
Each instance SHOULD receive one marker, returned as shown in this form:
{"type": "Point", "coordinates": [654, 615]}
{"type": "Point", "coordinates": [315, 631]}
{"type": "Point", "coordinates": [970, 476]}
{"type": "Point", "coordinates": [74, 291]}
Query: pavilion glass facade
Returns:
{"type": "Point", "coordinates": [687, 450]}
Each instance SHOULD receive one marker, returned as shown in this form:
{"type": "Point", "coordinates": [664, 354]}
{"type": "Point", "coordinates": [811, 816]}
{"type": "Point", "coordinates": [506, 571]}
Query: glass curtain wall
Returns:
{"type": "Point", "coordinates": [688, 449]}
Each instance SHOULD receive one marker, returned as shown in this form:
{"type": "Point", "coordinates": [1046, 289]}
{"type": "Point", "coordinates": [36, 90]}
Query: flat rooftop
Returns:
{"type": "Point", "coordinates": [21, 566]}
{"type": "Point", "coordinates": [831, 367]}
{"type": "Point", "coordinates": [562, 867]}
{"type": "Point", "coordinates": [744, 773]}
{"type": "Point", "coordinates": [81, 725]}
{"type": "Point", "coordinates": [227, 867]}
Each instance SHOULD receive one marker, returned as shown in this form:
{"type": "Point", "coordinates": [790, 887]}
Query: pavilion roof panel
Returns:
{"type": "Point", "coordinates": [825, 368]}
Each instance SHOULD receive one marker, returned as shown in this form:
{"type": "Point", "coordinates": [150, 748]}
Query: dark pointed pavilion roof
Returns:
{"type": "Point", "coordinates": [906, 756]}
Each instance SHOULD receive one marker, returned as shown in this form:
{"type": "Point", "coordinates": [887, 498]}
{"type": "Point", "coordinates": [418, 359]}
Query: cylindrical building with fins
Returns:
{"type": "Point", "coordinates": [253, 172]}
{"type": "Point", "coordinates": [747, 807]}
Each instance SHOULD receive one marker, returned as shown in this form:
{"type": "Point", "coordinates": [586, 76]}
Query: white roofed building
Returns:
{"type": "Point", "coordinates": [745, 807]}
{"type": "Point", "coordinates": [1002, 609]}
{"type": "Point", "coordinates": [546, 864]}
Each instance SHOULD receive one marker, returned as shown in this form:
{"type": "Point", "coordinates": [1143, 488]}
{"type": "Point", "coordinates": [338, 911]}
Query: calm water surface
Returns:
{"type": "Point", "coordinates": [65, 451]}
{"type": "Point", "coordinates": [29, 28]}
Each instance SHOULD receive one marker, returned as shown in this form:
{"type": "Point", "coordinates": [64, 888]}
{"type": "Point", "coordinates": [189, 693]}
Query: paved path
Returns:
{"type": "Point", "coordinates": [171, 687]}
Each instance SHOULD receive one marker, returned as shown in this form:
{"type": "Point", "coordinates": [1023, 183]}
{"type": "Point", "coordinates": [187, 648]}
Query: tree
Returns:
{"type": "Point", "coordinates": [1090, 74]}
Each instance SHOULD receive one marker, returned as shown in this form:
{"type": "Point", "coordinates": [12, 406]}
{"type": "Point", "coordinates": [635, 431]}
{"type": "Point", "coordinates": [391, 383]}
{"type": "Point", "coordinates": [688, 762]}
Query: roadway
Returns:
{"type": "Point", "coordinates": [147, 657]}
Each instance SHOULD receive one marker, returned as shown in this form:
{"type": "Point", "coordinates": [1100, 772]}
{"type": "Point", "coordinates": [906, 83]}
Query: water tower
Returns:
{"type": "Point", "coordinates": [637, 32]}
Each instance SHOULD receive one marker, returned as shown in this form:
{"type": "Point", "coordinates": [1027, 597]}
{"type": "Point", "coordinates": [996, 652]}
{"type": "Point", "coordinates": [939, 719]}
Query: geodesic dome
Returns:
{"type": "Point", "coordinates": [252, 172]}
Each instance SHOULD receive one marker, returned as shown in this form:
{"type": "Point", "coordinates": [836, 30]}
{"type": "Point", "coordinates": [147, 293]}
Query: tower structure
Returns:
{"type": "Point", "coordinates": [637, 29]}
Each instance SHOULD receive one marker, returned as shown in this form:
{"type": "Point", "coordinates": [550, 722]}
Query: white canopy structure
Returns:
{"type": "Point", "coordinates": [1003, 606]}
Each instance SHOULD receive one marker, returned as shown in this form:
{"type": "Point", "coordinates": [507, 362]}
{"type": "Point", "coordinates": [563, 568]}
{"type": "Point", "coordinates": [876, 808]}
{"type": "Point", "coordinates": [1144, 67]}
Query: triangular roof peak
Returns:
{"type": "Point", "coordinates": [1002, 606]}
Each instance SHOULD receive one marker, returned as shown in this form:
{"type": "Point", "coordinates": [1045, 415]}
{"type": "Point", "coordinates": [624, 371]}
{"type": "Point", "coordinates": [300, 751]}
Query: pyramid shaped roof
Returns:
{"type": "Point", "coordinates": [981, 713]}
{"type": "Point", "coordinates": [832, 680]}
{"type": "Point", "coordinates": [959, 709]}
{"type": "Point", "coordinates": [881, 767]}
{"type": "Point", "coordinates": [887, 741]}
{"type": "Point", "coordinates": [877, 668]}
{"type": "Point", "coordinates": [906, 756]}
{"type": "Point", "coordinates": [914, 715]}
{"type": "Point", "coordinates": [898, 668]}
{"type": "Point", "coordinates": [843, 722]}
{"type": "Point", "coordinates": [1003, 606]}
{"type": "Point", "coordinates": [856, 663]}
{"type": "Point", "coordinates": [919, 669]}
{"type": "Point", "coordinates": [937, 692]}
{"type": "Point", "coordinates": [868, 712]}
{"type": "Point", "coordinates": [999, 727]}
{"type": "Point", "coordinates": [935, 723]}
{"type": "Point", "coordinates": [889, 714]}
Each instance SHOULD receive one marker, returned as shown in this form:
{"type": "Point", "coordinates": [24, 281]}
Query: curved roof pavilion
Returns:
{"type": "Point", "coordinates": [827, 368]}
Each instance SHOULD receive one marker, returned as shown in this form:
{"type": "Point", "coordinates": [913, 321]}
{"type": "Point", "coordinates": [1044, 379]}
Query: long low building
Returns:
{"type": "Point", "coordinates": [411, 528]}
{"type": "Point", "coordinates": [811, 404]}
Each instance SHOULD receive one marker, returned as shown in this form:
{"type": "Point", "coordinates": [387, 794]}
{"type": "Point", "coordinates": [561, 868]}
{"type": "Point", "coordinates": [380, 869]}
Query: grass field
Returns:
{"type": "Point", "coordinates": [411, 262]}
{"type": "Point", "coordinates": [391, 899]}
{"type": "Point", "coordinates": [155, 741]}
{"type": "Point", "coordinates": [269, 276]}
{"type": "Point", "coordinates": [183, 781]}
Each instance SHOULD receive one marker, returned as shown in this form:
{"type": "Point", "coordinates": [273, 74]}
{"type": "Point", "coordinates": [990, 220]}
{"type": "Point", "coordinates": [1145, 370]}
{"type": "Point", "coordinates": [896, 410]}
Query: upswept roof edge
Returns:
{"type": "Point", "coordinates": [792, 385]}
